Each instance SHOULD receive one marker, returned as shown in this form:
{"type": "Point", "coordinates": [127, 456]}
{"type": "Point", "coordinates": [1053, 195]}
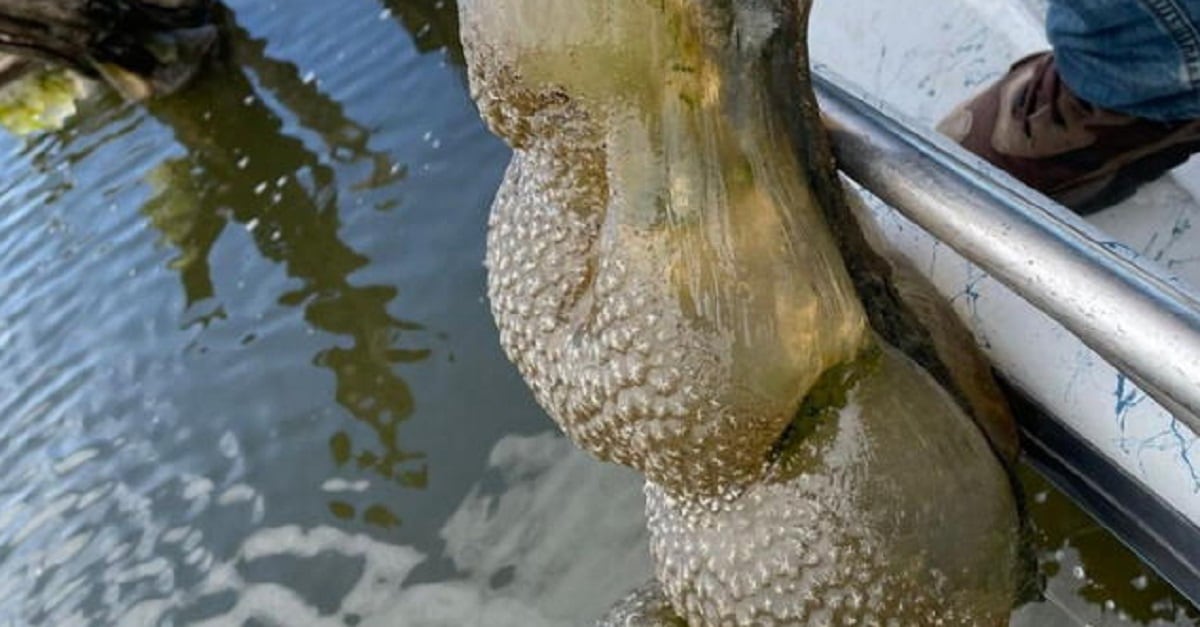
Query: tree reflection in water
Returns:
{"type": "Point", "coordinates": [247, 170]}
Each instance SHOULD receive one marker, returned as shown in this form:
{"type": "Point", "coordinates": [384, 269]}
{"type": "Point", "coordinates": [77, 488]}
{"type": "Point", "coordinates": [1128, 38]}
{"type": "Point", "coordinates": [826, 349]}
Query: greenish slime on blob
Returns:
{"type": "Point", "coordinates": [816, 420]}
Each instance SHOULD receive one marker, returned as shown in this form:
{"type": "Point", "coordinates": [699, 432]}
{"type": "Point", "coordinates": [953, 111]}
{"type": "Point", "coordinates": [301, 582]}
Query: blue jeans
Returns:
{"type": "Point", "coordinates": [1139, 57]}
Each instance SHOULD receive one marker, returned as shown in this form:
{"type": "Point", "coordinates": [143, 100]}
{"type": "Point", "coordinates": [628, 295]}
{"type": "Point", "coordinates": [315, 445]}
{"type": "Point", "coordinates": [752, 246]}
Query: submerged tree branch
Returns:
{"type": "Point", "coordinates": [142, 47]}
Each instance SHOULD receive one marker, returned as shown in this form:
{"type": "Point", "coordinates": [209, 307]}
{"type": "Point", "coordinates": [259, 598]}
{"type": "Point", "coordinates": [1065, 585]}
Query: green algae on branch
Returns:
{"type": "Point", "coordinates": [40, 99]}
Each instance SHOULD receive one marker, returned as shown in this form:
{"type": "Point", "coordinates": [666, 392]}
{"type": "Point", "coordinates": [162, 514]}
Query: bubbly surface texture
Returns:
{"type": "Point", "coordinates": [656, 269]}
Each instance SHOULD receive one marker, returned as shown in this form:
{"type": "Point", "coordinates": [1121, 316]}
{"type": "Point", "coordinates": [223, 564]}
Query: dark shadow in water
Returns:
{"type": "Point", "coordinates": [242, 168]}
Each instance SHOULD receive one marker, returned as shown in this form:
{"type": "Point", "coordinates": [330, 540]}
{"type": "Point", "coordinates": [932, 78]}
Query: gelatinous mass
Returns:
{"type": "Point", "coordinates": [673, 270]}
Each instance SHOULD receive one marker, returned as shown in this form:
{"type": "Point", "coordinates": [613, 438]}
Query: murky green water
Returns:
{"type": "Point", "coordinates": [248, 376]}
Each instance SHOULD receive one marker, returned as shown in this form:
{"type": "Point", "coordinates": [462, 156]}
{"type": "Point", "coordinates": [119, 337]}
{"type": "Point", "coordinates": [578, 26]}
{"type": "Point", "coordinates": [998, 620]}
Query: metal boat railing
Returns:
{"type": "Point", "coordinates": [1143, 325]}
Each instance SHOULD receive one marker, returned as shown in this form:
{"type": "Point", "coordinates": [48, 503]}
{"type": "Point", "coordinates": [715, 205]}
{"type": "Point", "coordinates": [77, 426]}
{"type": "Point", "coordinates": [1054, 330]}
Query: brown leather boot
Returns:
{"type": "Point", "coordinates": [1029, 124]}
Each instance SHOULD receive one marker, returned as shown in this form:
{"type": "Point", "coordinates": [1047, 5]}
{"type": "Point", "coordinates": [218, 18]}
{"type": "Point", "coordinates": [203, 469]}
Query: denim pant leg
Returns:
{"type": "Point", "coordinates": [1139, 57]}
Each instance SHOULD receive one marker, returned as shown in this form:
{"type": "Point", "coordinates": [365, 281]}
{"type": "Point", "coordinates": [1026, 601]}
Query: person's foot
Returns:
{"type": "Point", "coordinates": [1029, 124]}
